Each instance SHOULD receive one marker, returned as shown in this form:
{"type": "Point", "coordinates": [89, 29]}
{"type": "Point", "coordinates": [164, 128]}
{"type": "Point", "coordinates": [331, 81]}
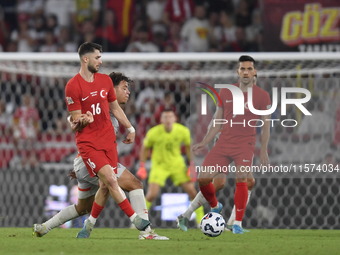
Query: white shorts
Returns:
{"type": "Point", "coordinates": [88, 186]}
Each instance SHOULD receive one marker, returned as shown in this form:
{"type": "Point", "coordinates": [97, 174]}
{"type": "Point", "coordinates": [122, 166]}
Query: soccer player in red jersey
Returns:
{"type": "Point", "coordinates": [236, 143]}
{"type": "Point", "coordinates": [90, 91]}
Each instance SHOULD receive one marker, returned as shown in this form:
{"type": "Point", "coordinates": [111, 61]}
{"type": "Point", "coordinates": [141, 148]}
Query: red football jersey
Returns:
{"type": "Point", "coordinates": [94, 97]}
{"type": "Point", "coordinates": [241, 133]}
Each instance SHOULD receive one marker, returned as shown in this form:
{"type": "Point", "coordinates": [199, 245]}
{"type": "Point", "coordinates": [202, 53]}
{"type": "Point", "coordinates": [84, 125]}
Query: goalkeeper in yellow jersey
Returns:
{"type": "Point", "coordinates": [166, 159]}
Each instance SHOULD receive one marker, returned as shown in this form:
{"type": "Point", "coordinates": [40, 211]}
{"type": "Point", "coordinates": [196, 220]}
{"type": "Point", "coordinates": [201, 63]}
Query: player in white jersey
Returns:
{"type": "Point", "coordinates": [87, 186]}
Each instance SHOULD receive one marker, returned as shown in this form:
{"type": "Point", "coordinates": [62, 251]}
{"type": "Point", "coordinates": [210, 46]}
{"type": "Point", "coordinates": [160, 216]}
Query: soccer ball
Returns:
{"type": "Point", "coordinates": [212, 224]}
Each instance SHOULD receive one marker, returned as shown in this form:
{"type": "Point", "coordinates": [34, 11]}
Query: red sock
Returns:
{"type": "Point", "coordinates": [126, 207]}
{"type": "Point", "coordinates": [208, 192]}
{"type": "Point", "coordinates": [96, 209]}
{"type": "Point", "coordinates": [240, 199]}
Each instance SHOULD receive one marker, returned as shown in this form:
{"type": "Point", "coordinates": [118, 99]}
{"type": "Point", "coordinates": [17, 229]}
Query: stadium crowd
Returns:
{"type": "Point", "coordinates": [131, 25]}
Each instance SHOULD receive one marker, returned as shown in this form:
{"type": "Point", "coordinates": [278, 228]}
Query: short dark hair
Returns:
{"type": "Point", "coordinates": [245, 58]}
{"type": "Point", "coordinates": [168, 110]}
{"type": "Point", "coordinates": [117, 77]}
{"type": "Point", "coordinates": [88, 47]}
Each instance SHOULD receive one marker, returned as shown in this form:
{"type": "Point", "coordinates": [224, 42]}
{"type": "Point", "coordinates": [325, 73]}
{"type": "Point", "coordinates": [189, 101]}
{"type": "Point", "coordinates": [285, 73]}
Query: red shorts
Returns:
{"type": "Point", "coordinates": [223, 154]}
{"type": "Point", "coordinates": [95, 159]}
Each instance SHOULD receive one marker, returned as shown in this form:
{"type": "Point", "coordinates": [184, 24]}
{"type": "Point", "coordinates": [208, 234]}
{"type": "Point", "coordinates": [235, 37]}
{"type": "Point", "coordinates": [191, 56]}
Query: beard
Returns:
{"type": "Point", "coordinates": [250, 81]}
{"type": "Point", "coordinates": [91, 68]}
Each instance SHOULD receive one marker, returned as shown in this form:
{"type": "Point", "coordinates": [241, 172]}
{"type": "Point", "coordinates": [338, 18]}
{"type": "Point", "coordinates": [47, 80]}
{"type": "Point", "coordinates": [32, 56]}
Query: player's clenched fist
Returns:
{"type": "Point", "coordinates": [130, 138]}
{"type": "Point", "coordinates": [141, 173]}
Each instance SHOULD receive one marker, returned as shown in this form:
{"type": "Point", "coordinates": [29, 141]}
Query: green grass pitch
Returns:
{"type": "Point", "coordinates": [125, 241]}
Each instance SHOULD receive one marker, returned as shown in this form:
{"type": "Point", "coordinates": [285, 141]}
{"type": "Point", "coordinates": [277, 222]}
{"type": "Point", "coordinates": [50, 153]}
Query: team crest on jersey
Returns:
{"type": "Point", "coordinates": [69, 100]}
{"type": "Point", "coordinates": [103, 93]}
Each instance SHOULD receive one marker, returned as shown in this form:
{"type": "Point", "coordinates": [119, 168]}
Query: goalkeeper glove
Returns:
{"type": "Point", "coordinates": [141, 173]}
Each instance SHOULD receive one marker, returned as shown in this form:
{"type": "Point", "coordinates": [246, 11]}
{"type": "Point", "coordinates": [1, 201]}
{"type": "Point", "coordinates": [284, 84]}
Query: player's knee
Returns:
{"type": "Point", "coordinates": [104, 190]}
{"type": "Point", "coordinates": [203, 181]}
{"type": "Point", "coordinates": [111, 182]}
{"type": "Point", "coordinates": [250, 183]}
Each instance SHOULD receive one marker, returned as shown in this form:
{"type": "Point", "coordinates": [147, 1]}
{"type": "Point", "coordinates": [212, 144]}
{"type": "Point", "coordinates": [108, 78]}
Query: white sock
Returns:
{"type": "Point", "coordinates": [92, 219]}
{"type": "Point", "coordinates": [138, 204]}
{"type": "Point", "coordinates": [238, 223]}
{"type": "Point", "coordinates": [198, 201]}
{"type": "Point", "coordinates": [133, 217]}
{"type": "Point", "coordinates": [66, 214]}
{"type": "Point", "coordinates": [233, 214]}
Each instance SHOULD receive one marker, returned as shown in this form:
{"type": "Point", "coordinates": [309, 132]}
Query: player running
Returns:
{"type": "Point", "coordinates": [87, 186]}
{"type": "Point", "coordinates": [234, 144]}
{"type": "Point", "coordinates": [96, 143]}
{"type": "Point", "coordinates": [167, 161]}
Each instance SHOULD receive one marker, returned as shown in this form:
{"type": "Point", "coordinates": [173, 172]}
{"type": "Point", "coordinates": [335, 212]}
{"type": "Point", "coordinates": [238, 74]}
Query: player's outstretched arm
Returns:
{"type": "Point", "coordinates": [212, 131]}
{"type": "Point", "coordinates": [264, 160]}
{"type": "Point", "coordinates": [121, 117]}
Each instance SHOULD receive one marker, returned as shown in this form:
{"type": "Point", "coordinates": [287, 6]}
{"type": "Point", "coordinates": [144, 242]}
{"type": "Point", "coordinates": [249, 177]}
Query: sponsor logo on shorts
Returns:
{"type": "Point", "coordinates": [245, 160]}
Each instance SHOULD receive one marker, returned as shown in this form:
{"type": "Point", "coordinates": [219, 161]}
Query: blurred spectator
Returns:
{"type": "Point", "coordinates": [159, 40]}
{"type": "Point", "coordinates": [108, 35]}
{"type": "Point", "coordinates": [150, 92]}
{"type": "Point", "coordinates": [84, 9]}
{"type": "Point", "coordinates": [178, 11]}
{"type": "Point", "coordinates": [258, 44]}
{"type": "Point", "coordinates": [243, 14]}
{"type": "Point", "coordinates": [196, 31]}
{"type": "Point", "coordinates": [39, 26]}
{"type": "Point", "coordinates": [4, 33]}
{"type": "Point", "coordinates": [49, 45]}
{"type": "Point", "coordinates": [240, 45]}
{"type": "Point", "coordinates": [26, 123]}
{"type": "Point", "coordinates": [125, 14]}
{"type": "Point", "coordinates": [143, 44]}
{"type": "Point", "coordinates": [8, 8]}
{"type": "Point", "coordinates": [65, 42]}
{"type": "Point", "coordinates": [218, 5]}
{"type": "Point", "coordinates": [12, 47]}
{"type": "Point", "coordinates": [87, 32]}
{"type": "Point", "coordinates": [154, 11]}
{"type": "Point", "coordinates": [213, 20]}
{"type": "Point", "coordinates": [167, 103]}
{"type": "Point", "coordinates": [24, 36]}
{"type": "Point", "coordinates": [169, 47]}
{"type": "Point", "coordinates": [32, 7]}
{"type": "Point", "coordinates": [62, 9]}
{"type": "Point", "coordinates": [137, 25]}
{"type": "Point", "coordinates": [256, 27]}
{"type": "Point", "coordinates": [225, 34]}
{"type": "Point", "coordinates": [52, 24]}
{"type": "Point", "coordinates": [175, 40]}
{"type": "Point", "coordinates": [5, 120]}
